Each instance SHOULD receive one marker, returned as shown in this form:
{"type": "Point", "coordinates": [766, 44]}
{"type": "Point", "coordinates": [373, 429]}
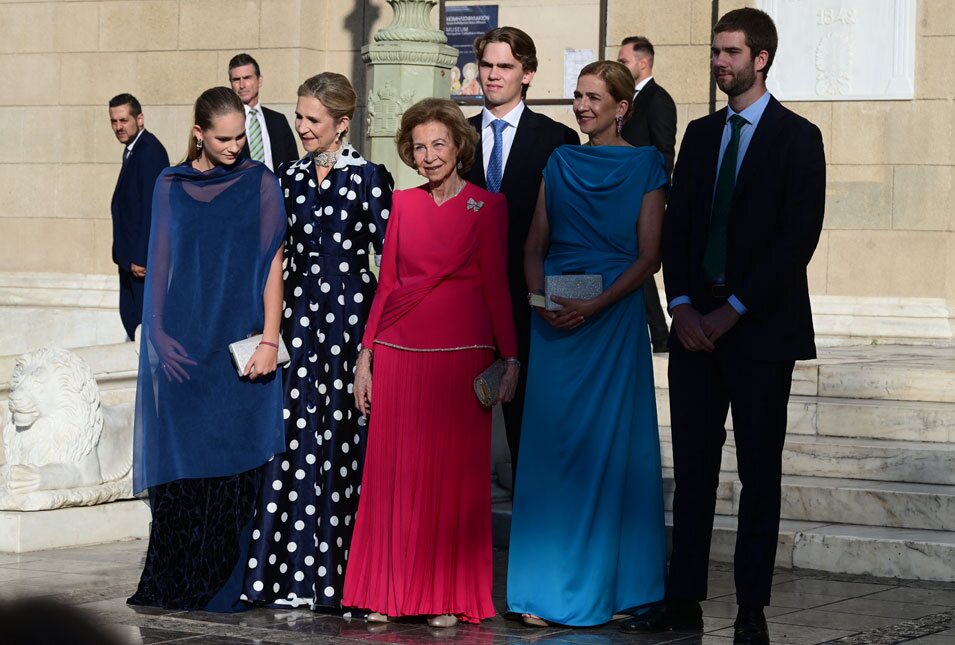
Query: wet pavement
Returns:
{"type": "Point", "coordinates": [807, 607]}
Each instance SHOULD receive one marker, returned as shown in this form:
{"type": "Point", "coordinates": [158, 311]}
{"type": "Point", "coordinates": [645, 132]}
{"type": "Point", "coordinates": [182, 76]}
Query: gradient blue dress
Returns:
{"type": "Point", "coordinates": [588, 538]}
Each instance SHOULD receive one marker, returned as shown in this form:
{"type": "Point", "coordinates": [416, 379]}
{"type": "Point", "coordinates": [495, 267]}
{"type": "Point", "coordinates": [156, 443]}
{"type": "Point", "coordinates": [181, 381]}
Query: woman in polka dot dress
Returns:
{"type": "Point", "coordinates": [337, 204]}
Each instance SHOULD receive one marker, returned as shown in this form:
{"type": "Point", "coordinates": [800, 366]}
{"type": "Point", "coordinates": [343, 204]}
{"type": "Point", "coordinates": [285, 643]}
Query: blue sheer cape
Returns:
{"type": "Point", "coordinates": [211, 244]}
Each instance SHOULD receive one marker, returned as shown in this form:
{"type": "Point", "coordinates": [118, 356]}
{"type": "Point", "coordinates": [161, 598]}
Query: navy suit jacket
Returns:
{"type": "Point", "coordinates": [281, 139]}
{"type": "Point", "coordinates": [133, 201]}
{"type": "Point", "coordinates": [536, 138]}
{"type": "Point", "coordinates": [774, 226]}
{"type": "Point", "coordinates": [653, 122]}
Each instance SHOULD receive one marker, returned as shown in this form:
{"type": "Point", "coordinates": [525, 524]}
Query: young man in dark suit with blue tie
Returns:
{"type": "Point", "coordinates": [515, 144]}
{"type": "Point", "coordinates": [144, 157]}
{"type": "Point", "coordinates": [737, 238]}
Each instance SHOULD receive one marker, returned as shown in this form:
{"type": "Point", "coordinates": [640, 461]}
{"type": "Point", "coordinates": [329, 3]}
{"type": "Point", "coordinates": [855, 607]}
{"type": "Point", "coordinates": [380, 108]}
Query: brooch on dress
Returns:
{"type": "Point", "coordinates": [474, 205]}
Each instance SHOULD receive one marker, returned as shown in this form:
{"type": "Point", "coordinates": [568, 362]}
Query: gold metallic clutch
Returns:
{"type": "Point", "coordinates": [242, 351]}
{"type": "Point", "coordinates": [487, 385]}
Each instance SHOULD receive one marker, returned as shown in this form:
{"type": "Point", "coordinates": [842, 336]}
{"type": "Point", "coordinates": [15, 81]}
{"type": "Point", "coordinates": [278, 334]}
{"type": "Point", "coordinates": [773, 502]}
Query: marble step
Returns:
{"type": "Point", "coordinates": [915, 462]}
{"type": "Point", "coordinates": [916, 554]}
{"type": "Point", "coordinates": [862, 418]}
{"type": "Point", "coordinates": [865, 503]}
{"type": "Point", "coordinates": [897, 373]}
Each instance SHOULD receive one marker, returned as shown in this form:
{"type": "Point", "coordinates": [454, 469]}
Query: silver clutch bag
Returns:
{"type": "Point", "coordinates": [487, 385]}
{"type": "Point", "coordinates": [576, 286]}
{"type": "Point", "coordinates": [242, 350]}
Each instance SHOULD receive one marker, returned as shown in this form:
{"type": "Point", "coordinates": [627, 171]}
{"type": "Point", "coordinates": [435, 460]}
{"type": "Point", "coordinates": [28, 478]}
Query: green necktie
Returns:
{"type": "Point", "coordinates": [714, 260]}
{"type": "Point", "coordinates": [255, 137]}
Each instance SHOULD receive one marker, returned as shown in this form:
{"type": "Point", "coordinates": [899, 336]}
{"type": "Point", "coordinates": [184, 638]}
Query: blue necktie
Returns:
{"type": "Point", "coordinates": [495, 167]}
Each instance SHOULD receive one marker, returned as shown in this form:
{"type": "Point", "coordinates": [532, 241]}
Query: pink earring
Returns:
{"type": "Point", "coordinates": [619, 123]}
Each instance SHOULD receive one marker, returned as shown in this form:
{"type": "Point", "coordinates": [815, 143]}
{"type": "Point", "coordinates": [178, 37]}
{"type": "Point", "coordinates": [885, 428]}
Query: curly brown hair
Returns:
{"type": "Point", "coordinates": [442, 111]}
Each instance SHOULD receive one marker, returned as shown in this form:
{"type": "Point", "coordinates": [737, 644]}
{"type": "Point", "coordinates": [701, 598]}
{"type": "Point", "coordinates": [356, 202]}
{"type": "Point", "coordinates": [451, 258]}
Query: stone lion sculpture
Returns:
{"type": "Point", "coordinates": [63, 448]}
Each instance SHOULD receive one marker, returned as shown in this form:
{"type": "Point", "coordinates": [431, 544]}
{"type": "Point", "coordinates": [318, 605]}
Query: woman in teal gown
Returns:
{"type": "Point", "coordinates": [588, 538]}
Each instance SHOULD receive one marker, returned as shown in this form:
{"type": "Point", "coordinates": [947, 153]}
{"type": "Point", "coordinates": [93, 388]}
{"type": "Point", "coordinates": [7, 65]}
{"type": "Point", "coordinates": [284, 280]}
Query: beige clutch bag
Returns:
{"type": "Point", "coordinates": [487, 385]}
{"type": "Point", "coordinates": [242, 351]}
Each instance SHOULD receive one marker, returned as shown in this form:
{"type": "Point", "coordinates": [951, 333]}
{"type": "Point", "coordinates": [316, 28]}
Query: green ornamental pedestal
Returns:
{"type": "Point", "coordinates": [408, 61]}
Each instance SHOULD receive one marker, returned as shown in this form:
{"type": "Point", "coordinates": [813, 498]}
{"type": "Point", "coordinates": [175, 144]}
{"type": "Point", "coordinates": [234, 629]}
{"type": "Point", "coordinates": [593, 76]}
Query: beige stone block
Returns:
{"type": "Point", "coordinates": [76, 27]}
{"type": "Point", "coordinates": [280, 73]}
{"type": "Point", "coordinates": [887, 264]}
{"type": "Point", "coordinates": [936, 18]}
{"type": "Point", "coordinates": [344, 24]}
{"type": "Point", "coordinates": [859, 197]}
{"type": "Point", "coordinates": [922, 198]}
{"type": "Point", "coordinates": [76, 129]}
{"type": "Point", "coordinates": [84, 191]}
{"type": "Point", "coordinates": [350, 64]}
{"type": "Point", "coordinates": [170, 124]}
{"type": "Point", "coordinates": [114, 74]}
{"type": "Point", "coordinates": [176, 77]}
{"type": "Point", "coordinates": [818, 269]}
{"type": "Point", "coordinates": [217, 25]}
{"type": "Point", "coordinates": [11, 242]}
{"type": "Point", "coordinates": [101, 253]}
{"type": "Point", "coordinates": [142, 25]}
{"type": "Point", "coordinates": [686, 72]}
{"type": "Point", "coordinates": [935, 67]}
{"type": "Point", "coordinates": [820, 114]}
{"type": "Point", "coordinates": [26, 27]}
{"type": "Point", "coordinates": [29, 79]}
{"type": "Point", "coordinates": [313, 24]}
{"type": "Point", "coordinates": [11, 135]}
{"type": "Point", "coordinates": [280, 23]}
{"type": "Point", "coordinates": [27, 190]}
{"type": "Point", "coordinates": [950, 271]}
{"type": "Point", "coordinates": [893, 132]}
{"type": "Point", "coordinates": [669, 26]}
{"type": "Point", "coordinates": [40, 244]}
{"type": "Point", "coordinates": [312, 62]}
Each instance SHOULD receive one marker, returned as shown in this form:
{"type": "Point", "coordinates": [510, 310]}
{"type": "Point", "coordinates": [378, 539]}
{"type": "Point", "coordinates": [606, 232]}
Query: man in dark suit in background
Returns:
{"type": "Point", "coordinates": [742, 223]}
{"type": "Point", "coordinates": [653, 123]}
{"type": "Point", "coordinates": [143, 159]}
{"type": "Point", "coordinates": [268, 137]}
{"type": "Point", "coordinates": [510, 157]}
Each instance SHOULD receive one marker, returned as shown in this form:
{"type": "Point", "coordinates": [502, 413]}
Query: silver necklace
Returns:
{"type": "Point", "coordinates": [456, 193]}
{"type": "Point", "coordinates": [327, 159]}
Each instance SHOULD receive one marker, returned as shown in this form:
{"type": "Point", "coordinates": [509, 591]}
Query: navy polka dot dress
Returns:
{"type": "Point", "coordinates": [309, 494]}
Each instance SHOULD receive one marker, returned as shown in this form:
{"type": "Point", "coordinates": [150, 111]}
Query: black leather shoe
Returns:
{"type": "Point", "coordinates": [681, 616]}
{"type": "Point", "coordinates": [750, 627]}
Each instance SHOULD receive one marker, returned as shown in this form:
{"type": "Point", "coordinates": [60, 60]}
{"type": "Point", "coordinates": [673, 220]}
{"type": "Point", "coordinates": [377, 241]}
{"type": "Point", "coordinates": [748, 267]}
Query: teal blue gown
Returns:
{"type": "Point", "coordinates": [587, 535]}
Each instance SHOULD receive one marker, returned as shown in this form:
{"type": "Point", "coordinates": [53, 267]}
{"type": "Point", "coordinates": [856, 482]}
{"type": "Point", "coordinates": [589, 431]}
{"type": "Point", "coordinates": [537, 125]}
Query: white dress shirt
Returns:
{"type": "Point", "coordinates": [642, 84]}
{"type": "Point", "coordinates": [266, 147]}
{"type": "Point", "coordinates": [507, 136]}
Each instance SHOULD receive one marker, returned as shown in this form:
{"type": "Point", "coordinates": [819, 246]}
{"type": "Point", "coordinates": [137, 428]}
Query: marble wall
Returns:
{"type": "Point", "coordinates": [890, 230]}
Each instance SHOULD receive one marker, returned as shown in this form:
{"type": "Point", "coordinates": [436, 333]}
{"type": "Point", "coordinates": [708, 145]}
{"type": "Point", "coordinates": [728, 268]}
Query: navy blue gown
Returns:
{"type": "Point", "coordinates": [199, 441]}
{"type": "Point", "coordinates": [587, 534]}
{"type": "Point", "coordinates": [306, 508]}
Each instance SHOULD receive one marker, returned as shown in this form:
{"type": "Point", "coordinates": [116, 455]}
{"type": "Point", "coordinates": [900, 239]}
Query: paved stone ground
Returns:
{"type": "Point", "coordinates": [808, 607]}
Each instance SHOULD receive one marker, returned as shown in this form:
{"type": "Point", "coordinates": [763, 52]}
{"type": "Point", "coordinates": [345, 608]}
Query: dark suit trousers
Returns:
{"type": "Point", "coordinates": [130, 301]}
{"type": "Point", "coordinates": [702, 388]}
{"type": "Point", "coordinates": [655, 318]}
{"type": "Point", "coordinates": [514, 411]}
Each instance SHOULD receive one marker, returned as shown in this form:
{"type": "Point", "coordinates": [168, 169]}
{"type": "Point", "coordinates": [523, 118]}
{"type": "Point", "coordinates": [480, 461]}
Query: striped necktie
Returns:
{"type": "Point", "coordinates": [255, 137]}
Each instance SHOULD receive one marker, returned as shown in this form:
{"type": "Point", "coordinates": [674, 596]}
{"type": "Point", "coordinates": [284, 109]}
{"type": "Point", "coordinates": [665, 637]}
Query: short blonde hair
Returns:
{"type": "Point", "coordinates": [447, 113]}
{"type": "Point", "coordinates": [334, 91]}
{"type": "Point", "coordinates": [616, 77]}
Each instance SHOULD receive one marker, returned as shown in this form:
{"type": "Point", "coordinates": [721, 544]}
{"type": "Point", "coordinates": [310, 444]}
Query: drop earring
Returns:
{"type": "Point", "coordinates": [199, 144]}
{"type": "Point", "coordinates": [619, 123]}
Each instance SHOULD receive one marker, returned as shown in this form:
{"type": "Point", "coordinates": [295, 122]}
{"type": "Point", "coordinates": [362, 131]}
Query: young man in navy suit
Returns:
{"type": "Point", "coordinates": [507, 61]}
{"type": "Point", "coordinates": [743, 219]}
{"type": "Point", "coordinates": [144, 157]}
{"type": "Point", "coordinates": [268, 137]}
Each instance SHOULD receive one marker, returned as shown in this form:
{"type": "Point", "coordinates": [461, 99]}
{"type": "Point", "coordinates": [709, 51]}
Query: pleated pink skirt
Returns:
{"type": "Point", "coordinates": [422, 541]}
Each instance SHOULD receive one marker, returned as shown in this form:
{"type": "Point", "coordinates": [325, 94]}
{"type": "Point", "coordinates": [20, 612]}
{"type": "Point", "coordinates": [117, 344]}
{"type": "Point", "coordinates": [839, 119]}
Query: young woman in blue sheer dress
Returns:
{"type": "Point", "coordinates": [587, 535]}
{"type": "Point", "coordinates": [201, 431]}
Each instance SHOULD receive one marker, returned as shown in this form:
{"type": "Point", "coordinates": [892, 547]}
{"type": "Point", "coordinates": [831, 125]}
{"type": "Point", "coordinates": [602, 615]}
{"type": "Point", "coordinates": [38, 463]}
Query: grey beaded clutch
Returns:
{"type": "Point", "coordinates": [577, 286]}
{"type": "Point", "coordinates": [487, 385]}
{"type": "Point", "coordinates": [242, 351]}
